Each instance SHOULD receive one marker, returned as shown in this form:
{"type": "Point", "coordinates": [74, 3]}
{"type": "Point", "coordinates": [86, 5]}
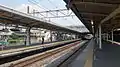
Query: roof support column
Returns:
{"type": "Point", "coordinates": [103, 36]}
{"type": "Point", "coordinates": [107, 36]}
{"type": "Point", "coordinates": [28, 42]}
{"type": "Point", "coordinates": [100, 43]}
{"type": "Point", "coordinates": [76, 36]}
{"type": "Point", "coordinates": [112, 36]}
{"type": "Point", "coordinates": [51, 37]}
{"type": "Point", "coordinates": [66, 37]}
{"type": "Point", "coordinates": [71, 35]}
{"type": "Point", "coordinates": [63, 34]}
{"type": "Point", "coordinates": [97, 39]}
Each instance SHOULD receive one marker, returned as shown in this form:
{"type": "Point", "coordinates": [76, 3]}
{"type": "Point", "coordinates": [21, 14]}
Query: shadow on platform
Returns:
{"type": "Point", "coordinates": [109, 56]}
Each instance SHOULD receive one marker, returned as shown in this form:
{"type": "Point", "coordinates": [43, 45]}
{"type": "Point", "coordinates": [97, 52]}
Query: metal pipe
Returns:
{"type": "Point", "coordinates": [107, 36]}
{"type": "Point", "coordinates": [100, 43]}
{"type": "Point", "coordinates": [112, 36]}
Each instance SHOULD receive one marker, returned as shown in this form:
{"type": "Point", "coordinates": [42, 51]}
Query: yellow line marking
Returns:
{"type": "Point", "coordinates": [89, 61]}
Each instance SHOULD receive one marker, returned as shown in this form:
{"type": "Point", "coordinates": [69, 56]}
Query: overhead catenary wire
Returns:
{"type": "Point", "coordinates": [36, 3]}
{"type": "Point", "coordinates": [62, 12]}
{"type": "Point", "coordinates": [55, 6]}
{"type": "Point", "coordinates": [45, 8]}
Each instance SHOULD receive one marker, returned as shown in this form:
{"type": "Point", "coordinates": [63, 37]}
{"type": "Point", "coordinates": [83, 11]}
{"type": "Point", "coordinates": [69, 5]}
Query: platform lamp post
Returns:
{"type": "Point", "coordinates": [51, 36]}
{"type": "Point", "coordinates": [28, 40]}
{"type": "Point", "coordinates": [100, 43]}
{"type": "Point", "coordinates": [107, 36]}
{"type": "Point", "coordinates": [97, 36]}
{"type": "Point", "coordinates": [112, 35]}
{"type": "Point", "coordinates": [28, 9]}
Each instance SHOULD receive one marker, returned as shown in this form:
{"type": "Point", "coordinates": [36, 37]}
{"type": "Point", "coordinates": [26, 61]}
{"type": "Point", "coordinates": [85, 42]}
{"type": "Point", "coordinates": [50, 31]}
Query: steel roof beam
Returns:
{"type": "Point", "coordinates": [94, 3]}
{"type": "Point", "coordinates": [98, 14]}
{"type": "Point", "coordinates": [114, 13]}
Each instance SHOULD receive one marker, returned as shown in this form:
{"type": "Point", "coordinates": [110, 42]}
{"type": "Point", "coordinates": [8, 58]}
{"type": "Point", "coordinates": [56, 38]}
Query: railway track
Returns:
{"type": "Point", "coordinates": [34, 47]}
{"type": "Point", "coordinates": [41, 59]}
{"type": "Point", "coordinates": [13, 57]}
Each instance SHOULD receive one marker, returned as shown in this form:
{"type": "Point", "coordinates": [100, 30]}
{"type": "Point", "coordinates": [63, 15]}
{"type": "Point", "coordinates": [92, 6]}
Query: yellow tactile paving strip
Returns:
{"type": "Point", "coordinates": [89, 59]}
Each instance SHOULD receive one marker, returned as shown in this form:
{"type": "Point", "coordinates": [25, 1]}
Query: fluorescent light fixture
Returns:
{"type": "Point", "coordinates": [92, 22]}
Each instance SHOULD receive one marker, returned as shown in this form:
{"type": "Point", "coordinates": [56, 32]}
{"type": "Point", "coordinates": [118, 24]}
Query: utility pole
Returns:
{"type": "Point", "coordinates": [27, 37]}
{"type": "Point", "coordinates": [28, 9]}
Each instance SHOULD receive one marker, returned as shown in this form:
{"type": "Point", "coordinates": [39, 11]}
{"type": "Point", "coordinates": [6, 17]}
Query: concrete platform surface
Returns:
{"type": "Point", "coordinates": [81, 57]}
{"type": "Point", "coordinates": [109, 56]}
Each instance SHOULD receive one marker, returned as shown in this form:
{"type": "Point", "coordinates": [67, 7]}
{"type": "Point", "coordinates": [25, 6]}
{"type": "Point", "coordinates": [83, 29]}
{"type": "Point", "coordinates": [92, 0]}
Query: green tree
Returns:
{"type": "Point", "coordinates": [14, 36]}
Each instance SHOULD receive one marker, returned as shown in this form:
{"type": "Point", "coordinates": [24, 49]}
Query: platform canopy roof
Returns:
{"type": "Point", "coordinates": [105, 12]}
{"type": "Point", "coordinates": [10, 16]}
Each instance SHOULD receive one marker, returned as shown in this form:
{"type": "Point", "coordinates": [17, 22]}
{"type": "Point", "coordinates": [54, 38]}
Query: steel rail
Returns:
{"type": "Point", "coordinates": [26, 62]}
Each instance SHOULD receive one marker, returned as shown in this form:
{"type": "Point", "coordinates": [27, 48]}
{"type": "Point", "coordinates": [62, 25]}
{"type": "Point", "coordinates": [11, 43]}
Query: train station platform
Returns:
{"type": "Point", "coordinates": [108, 56]}
{"type": "Point", "coordinates": [82, 58]}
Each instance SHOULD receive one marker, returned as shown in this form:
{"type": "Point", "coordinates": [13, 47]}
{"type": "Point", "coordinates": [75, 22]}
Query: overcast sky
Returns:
{"type": "Point", "coordinates": [43, 5]}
